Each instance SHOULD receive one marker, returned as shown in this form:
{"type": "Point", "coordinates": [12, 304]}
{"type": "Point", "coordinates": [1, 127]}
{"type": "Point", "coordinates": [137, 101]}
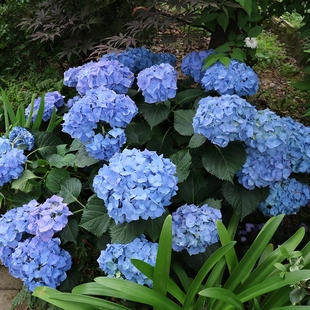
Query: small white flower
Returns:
{"type": "Point", "coordinates": [250, 42]}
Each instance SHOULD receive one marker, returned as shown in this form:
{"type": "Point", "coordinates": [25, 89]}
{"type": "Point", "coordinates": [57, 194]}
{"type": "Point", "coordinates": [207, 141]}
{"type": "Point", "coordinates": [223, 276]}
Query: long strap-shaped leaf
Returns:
{"type": "Point", "coordinates": [204, 270]}
{"type": "Point", "coordinates": [291, 308]}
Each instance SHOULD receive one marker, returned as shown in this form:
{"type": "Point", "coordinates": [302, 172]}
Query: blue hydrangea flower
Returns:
{"type": "Point", "coordinates": [98, 105]}
{"type": "Point", "coordinates": [159, 58]}
{"type": "Point", "coordinates": [71, 101]}
{"type": "Point", "coordinates": [115, 260]}
{"type": "Point", "coordinates": [224, 119]}
{"type": "Point", "coordinates": [110, 74]}
{"type": "Point", "coordinates": [39, 263]}
{"type": "Point", "coordinates": [194, 228]}
{"type": "Point", "coordinates": [285, 197]}
{"type": "Point", "coordinates": [136, 59]}
{"type": "Point", "coordinates": [52, 100]}
{"type": "Point", "coordinates": [20, 137]}
{"type": "Point", "coordinates": [158, 83]}
{"type": "Point", "coordinates": [237, 78]}
{"type": "Point", "coordinates": [70, 76]}
{"type": "Point", "coordinates": [136, 184]}
{"type": "Point", "coordinates": [192, 64]}
{"type": "Point", "coordinates": [104, 147]}
{"type": "Point", "coordinates": [11, 162]}
{"type": "Point", "coordinates": [49, 218]}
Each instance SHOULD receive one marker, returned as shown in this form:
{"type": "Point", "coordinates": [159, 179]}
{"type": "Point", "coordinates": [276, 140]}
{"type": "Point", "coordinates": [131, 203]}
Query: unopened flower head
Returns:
{"type": "Point", "coordinates": [39, 263]}
{"type": "Point", "coordinates": [250, 42]}
{"type": "Point", "coordinates": [158, 83]}
{"type": "Point", "coordinates": [224, 119]}
{"type": "Point", "coordinates": [136, 184]}
{"type": "Point", "coordinates": [52, 100]}
{"type": "Point", "coordinates": [115, 259]}
{"type": "Point", "coordinates": [21, 138]}
{"type": "Point", "coordinates": [192, 64]}
{"type": "Point", "coordinates": [237, 78]}
{"type": "Point", "coordinates": [285, 197]}
{"type": "Point", "coordinates": [194, 228]}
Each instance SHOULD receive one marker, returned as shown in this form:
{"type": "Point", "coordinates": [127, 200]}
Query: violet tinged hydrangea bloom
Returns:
{"type": "Point", "coordinates": [237, 78]}
{"type": "Point", "coordinates": [136, 184]}
{"type": "Point", "coordinates": [52, 100]}
{"type": "Point", "coordinates": [136, 59]}
{"type": "Point", "coordinates": [194, 228]}
{"type": "Point", "coordinates": [11, 162]}
{"type": "Point", "coordinates": [110, 74]}
{"type": "Point", "coordinates": [98, 105]}
{"type": "Point", "coordinates": [285, 197]}
{"type": "Point", "coordinates": [224, 119]}
{"type": "Point", "coordinates": [20, 137]}
{"type": "Point", "coordinates": [49, 218]}
{"type": "Point", "coordinates": [104, 147]}
{"type": "Point", "coordinates": [192, 64]}
{"type": "Point", "coordinates": [39, 263]}
{"type": "Point", "coordinates": [158, 83]}
{"type": "Point", "coordinates": [115, 260]}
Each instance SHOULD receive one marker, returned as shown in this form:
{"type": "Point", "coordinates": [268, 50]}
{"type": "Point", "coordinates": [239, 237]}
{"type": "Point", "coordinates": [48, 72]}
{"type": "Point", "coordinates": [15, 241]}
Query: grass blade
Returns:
{"type": "Point", "coordinates": [39, 117]}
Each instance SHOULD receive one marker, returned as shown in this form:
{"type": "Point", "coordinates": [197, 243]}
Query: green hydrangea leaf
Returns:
{"type": "Point", "coordinates": [70, 232]}
{"type": "Point", "coordinates": [55, 178]}
{"type": "Point", "coordinates": [183, 122]}
{"type": "Point", "coordinates": [70, 190]}
{"type": "Point", "coordinates": [182, 159]}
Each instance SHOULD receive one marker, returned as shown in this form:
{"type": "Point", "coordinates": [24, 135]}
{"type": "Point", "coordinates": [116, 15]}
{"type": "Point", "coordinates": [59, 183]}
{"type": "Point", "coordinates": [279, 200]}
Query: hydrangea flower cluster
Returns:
{"type": "Point", "coordinates": [192, 64]}
{"type": "Point", "coordinates": [52, 100]}
{"type": "Point", "coordinates": [20, 137]}
{"type": "Point", "coordinates": [194, 228]}
{"type": "Point", "coordinates": [104, 147]}
{"type": "Point", "coordinates": [98, 105]}
{"type": "Point", "coordinates": [237, 78]}
{"type": "Point", "coordinates": [39, 263]}
{"type": "Point", "coordinates": [158, 83]}
{"type": "Point", "coordinates": [136, 184]}
{"type": "Point", "coordinates": [110, 74]}
{"type": "Point", "coordinates": [285, 197]}
{"type": "Point", "coordinates": [48, 218]}
{"type": "Point", "coordinates": [224, 119]}
{"type": "Point", "coordinates": [11, 162]}
{"type": "Point", "coordinates": [115, 260]}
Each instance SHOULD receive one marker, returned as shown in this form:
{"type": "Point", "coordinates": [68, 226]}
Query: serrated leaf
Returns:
{"type": "Point", "coordinates": [197, 140]}
{"type": "Point", "coordinates": [60, 161]}
{"type": "Point", "coordinates": [154, 114]}
{"type": "Point", "coordinates": [153, 227]}
{"type": "Point", "coordinates": [242, 200]}
{"type": "Point", "coordinates": [188, 96]}
{"type": "Point", "coordinates": [46, 142]}
{"type": "Point", "coordinates": [95, 218]}
{"type": "Point", "coordinates": [183, 160]}
{"type": "Point", "coordinates": [21, 198]}
{"type": "Point", "coordinates": [255, 31]}
{"type": "Point", "coordinates": [213, 203]}
{"type": "Point", "coordinates": [22, 183]}
{"type": "Point", "coordinates": [138, 133]}
{"type": "Point", "coordinates": [127, 232]}
{"type": "Point", "coordinates": [70, 190]}
{"type": "Point", "coordinates": [183, 122]}
{"type": "Point", "coordinates": [224, 162]}
{"type": "Point", "coordinates": [247, 5]}
{"type": "Point", "coordinates": [70, 231]}
{"type": "Point", "coordinates": [82, 159]}
{"type": "Point", "coordinates": [55, 178]}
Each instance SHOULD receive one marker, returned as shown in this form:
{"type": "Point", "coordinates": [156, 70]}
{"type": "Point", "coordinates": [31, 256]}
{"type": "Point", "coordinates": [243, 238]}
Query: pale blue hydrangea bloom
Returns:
{"type": "Point", "coordinates": [158, 83]}
{"type": "Point", "coordinates": [39, 263]}
{"type": "Point", "coordinates": [237, 78]}
{"type": "Point", "coordinates": [136, 184]}
{"type": "Point", "coordinates": [194, 228]}
{"type": "Point", "coordinates": [11, 162]}
{"type": "Point", "coordinates": [48, 218]}
{"type": "Point", "coordinates": [52, 100]}
{"type": "Point", "coordinates": [98, 105]}
{"type": "Point", "coordinates": [70, 76]}
{"type": "Point", "coordinates": [192, 64]}
{"type": "Point", "coordinates": [104, 147]}
{"type": "Point", "coordinates": [20, 137]}
{"type": "Point", "coordinates": [110, 74]}
{"type": "Point", "coordinates": [224, 119]}
{"type": "Point", "coordinates": [285, 197]}
{"type": "Point", "coordinates": [115, 259]}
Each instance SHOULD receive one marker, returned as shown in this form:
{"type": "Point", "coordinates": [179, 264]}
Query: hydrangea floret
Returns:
{"type": "Point", "coordinates": [38, 263]}
{"type": "Point", "coordinates": [115, 259]}
{"type": "Point", "coordinates": [158, 83]}
{"type": "Point", "coordinates": [52, 100]}
{"type": "Point", "coordinates": [21, 138]}
{"type": "Point", "coordinates": [237, 78]}
{"type": "Point", "coordinates": [285, 197]}
{"type": "Point", "coordinates": [136, 184]}
{"type": "Point", "coordinates": [194, 228]}
{"type": "Point", "coordinates": [224, 119]}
